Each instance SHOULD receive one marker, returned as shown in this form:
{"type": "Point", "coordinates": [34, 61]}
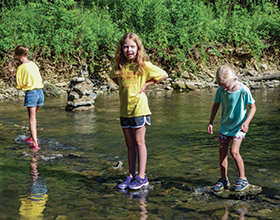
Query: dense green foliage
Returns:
{"type": "Point", "coordinates": [173, 31]}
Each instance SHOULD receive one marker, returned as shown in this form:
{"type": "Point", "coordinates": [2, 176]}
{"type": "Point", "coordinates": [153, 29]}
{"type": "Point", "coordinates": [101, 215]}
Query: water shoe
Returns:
{"type": "Point", "coordinates": [241, 184]}
{"type": "Point", "coordinates": [29, 140]}
{"type": "Point", "coordinates": [221, 184]}
{"type": "Point", "coordinates": [139, 183]}
{"type": "Point", "coordinates": [125, 183]}
{"type": "Point", "coordinates": [35, 146]}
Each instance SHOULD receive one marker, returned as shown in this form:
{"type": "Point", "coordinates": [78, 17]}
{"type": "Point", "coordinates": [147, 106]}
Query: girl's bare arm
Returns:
{"type": "Point", "coordinates": [245, 125]}
{"type": "Point", "coordinates": [152, 82]}
{"type": "Point", "coordinates": [212, 117]}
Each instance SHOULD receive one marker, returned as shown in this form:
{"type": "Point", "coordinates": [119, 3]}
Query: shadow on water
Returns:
{"type": "Point", "coordinates": [74, 174]}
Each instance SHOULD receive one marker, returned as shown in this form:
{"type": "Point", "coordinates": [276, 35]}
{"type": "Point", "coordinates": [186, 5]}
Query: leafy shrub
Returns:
{"type": "Point", "coordinates": [177, 33]}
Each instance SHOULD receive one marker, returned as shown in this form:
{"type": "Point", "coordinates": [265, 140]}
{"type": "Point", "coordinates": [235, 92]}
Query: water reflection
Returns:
{"type": "Point", "coordinates": [180, 154]}
{"type": "Point", "coordinates": [143, 209]}
{"type": "Point", "coordinates": [84, 122]}
{"type": "Point", "coordinates": [138, 196]}
{"type": "Point", "coordinates": [241, 211]}
{"type": "Point", "coordinates": [33, 204]}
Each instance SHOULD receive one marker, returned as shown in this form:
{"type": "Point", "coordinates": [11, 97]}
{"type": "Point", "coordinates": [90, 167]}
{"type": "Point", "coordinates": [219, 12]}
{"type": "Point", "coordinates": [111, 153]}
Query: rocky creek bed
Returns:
{"type": "Point", "coordinates": [201, 199]}
{"type": "Point", "coordinates": [170, 196]}
{"type": "Point", "coordinates": [254, 75]}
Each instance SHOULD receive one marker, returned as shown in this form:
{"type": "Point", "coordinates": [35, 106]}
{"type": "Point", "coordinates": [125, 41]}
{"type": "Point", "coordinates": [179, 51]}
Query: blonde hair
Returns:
{"type": "Point", "coordinates": [225, 73]}
{"type": "Point", "coordinates": [21, 51]}
{"type": "Point", "coordinates": [120, 59]}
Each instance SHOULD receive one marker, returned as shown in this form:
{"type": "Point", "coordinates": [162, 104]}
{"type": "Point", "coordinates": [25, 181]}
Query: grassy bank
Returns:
{"type": "Point", "coordinates": [178, 34]}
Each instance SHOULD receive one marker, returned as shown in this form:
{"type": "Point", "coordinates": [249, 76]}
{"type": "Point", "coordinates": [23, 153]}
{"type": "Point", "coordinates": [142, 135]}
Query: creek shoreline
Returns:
{"type": "Point", "coordinates": [260, 76]}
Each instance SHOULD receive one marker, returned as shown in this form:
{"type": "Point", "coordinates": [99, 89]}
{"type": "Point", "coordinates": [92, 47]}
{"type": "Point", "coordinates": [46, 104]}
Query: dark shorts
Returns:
{"type": "Point", "coordinates": [34, 98]}
{"type": "Point", "coordinates": [136, 122]}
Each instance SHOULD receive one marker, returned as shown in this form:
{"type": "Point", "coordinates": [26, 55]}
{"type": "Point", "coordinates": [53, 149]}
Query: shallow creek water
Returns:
{"type": "Point", "coordinates": [182, 161]}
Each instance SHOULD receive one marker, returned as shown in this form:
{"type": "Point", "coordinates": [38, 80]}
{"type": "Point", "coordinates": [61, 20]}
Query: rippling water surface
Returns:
{"type": "Point", "coordinates": [182, 161]}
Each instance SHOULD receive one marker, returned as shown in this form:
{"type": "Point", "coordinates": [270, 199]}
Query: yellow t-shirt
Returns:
{"type": "Point", "coordinates": [130, 84]}
{"type": "Point", "coordinates": [28, 77]}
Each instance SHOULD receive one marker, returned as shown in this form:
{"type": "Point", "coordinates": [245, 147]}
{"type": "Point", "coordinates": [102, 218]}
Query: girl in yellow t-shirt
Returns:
{"type": "Point", "coordinates": [133, 74]}
{"type": "Point", "coordinates": [29, 80]}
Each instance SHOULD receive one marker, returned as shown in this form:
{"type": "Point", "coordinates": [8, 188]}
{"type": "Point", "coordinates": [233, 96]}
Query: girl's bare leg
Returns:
{"type": "Point", "coordinates": [131, 150]}
{"type": "Point", "coordinates": [139, 135]}
{"type": "Point", "coordinates": [33, 123]}
{"type": "Point", "coordinates": [223, 159]}
{"type": "Point", "coordinates": [234, 151]}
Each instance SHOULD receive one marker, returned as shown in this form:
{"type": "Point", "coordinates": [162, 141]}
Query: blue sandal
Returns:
{"type": "Point", "coordinates": [241, 184]}
{"type": "Point", "coordinates": [221, 184]}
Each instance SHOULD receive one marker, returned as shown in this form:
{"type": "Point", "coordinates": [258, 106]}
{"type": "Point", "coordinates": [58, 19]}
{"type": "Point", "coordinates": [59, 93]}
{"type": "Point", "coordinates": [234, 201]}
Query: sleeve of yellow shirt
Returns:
{"type": "Point", "coordinates": [154, 72]}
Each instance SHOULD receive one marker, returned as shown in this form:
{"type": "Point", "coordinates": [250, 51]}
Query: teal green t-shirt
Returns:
{"type": "Point", "coordinates": [234, 111]}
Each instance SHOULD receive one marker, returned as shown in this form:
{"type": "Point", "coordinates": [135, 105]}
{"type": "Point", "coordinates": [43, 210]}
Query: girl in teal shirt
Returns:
{"type": "Point", "coordinates": [234, 97]}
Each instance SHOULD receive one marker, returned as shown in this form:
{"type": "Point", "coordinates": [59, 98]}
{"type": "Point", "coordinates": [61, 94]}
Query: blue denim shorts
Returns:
{"type": "Point", "coordinates": [136, 122]}
{"type": "Point", "coordinates": [34, 98]}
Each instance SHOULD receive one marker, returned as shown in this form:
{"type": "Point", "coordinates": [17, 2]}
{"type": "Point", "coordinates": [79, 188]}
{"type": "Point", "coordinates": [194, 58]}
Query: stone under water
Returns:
{"type": "Point", "coordinates": [249, 193]}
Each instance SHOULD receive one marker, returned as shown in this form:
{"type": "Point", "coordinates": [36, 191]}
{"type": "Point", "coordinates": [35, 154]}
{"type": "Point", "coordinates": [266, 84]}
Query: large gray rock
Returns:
{"type": "Point", "coordinates": [191, 86]}
{"type": "Point", "coordinates": [250, 192]}
{"type": "Point", "coordinates": [179, 85]}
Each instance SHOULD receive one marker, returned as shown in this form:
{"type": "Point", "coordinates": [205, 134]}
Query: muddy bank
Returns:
{"type": "Point", "coordinates": [255, 75]}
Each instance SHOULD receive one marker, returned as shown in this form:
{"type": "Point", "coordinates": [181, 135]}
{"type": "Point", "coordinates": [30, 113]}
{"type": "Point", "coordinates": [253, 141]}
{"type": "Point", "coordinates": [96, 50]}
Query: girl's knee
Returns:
{"type": "Point", "coordinates": [140, 142]}
{"type": "Point", "coordinates": [130, 144]}
{"type": "Point", "coordinates": [141, 145]}
{"type": "Point", "coordinates": [235, 154]}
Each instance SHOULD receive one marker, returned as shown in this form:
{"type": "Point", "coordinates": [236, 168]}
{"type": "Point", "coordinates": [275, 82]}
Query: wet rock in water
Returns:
{"type": "Point", "coordinates": [25, 154]}
{"type": "Point", "coordinates": [118, 166]}
{"type": "Point", "coordinates": [272, 201]}
{"type": "Point", "coordinates": [102, 180]}
{"type": "Point", "coordinates": [80, 93]}
{"type": "Point", "coordinates": [83, 108]}
{"type": "Point", "coordinates": [72, 155]}
{"type": "Point", "coordinates": [49, 157]}
{"type": "Point", "coordinates": [249, 193]}
{"type": "Point", "coordinates": [61, 217]}
{"type": "Point", "coordinates": [19, 147]}
{"type": "Point", "coordinates": [40, 156]}
{"type": "Point", "coordinates": [108, 195]}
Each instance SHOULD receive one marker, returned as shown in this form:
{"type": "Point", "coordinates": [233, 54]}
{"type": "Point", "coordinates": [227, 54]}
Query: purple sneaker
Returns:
{"type": "Point", "coordinates": [125, 183]}
{"type": "Point", "coordinates": [138, 183]}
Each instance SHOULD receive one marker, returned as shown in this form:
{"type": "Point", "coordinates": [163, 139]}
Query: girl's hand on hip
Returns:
{"type": "Point", "coordinates": [147, 84]}
{"type": "Point", "coordinates": [142, 90]}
